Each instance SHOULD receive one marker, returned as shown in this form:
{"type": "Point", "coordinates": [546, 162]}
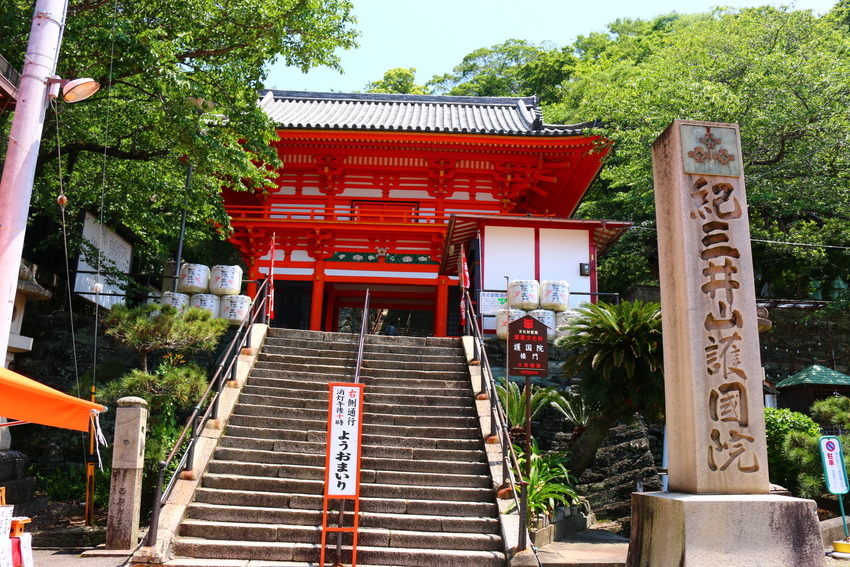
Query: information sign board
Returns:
{"type": "Point", "coordinates": [834, 471]}
{"type": "Point", "coordinates": [489, 302]}
{"type": "Point", "coordinates": [528, 347]}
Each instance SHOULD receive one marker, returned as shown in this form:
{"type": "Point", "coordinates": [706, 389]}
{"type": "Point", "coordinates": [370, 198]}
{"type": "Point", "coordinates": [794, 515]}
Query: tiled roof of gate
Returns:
{"type": "Point", "coordinates": [411, 113]}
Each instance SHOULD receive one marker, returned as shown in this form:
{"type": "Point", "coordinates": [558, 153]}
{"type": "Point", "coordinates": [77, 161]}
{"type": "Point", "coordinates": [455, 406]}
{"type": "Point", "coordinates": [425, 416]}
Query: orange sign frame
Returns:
{"type": "Point", "coordinates": [345, 416]}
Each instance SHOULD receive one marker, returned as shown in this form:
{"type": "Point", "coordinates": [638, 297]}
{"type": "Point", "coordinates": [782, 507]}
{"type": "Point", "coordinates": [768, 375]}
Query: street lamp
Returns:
{"type": "Point", "coordinates": [72, 90]}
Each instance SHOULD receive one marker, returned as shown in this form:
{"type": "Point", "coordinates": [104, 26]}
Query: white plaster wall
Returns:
{"type": "Point", "coordinates": [561, 252]}
{"type": "Point", "coordinates": [508, 251]}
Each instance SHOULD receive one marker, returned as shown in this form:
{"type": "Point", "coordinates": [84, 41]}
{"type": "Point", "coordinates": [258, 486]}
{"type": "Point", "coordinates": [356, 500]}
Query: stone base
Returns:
{"type": "Point", "coordinates": [690, 530]}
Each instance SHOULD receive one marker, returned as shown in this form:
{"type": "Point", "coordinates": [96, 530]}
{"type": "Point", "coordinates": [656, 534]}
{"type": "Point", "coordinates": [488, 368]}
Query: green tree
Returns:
{"type": "Point", "coordinates": [489, 71]}
{"type": "Point", "coordinates": [782, 75]}
{"type": "Point", "coordinates": [616, 351]}
{"type": "Point", "coordinates": [148, 328]}
{"type": "Point", "coordinates": [179, 86]}
{"type": "Point", "coordinates": [398, 80]}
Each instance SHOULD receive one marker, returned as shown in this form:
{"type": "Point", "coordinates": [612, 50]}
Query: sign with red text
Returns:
{"type": "Point", "coordinates": [345, 408]}
{"type": "Point", "coordinates": [528, 347]}
{"type": "Point", "coordinates": [834, 471]}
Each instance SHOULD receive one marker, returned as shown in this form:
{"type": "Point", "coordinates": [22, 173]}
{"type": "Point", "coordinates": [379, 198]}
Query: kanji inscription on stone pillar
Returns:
{"type": "Point", "coordinates": [712, 367]}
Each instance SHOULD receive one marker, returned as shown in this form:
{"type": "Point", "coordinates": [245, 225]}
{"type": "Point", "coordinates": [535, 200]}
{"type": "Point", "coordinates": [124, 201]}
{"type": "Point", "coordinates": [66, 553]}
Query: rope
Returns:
{"type": "Point", "coordinates": [62, 200]}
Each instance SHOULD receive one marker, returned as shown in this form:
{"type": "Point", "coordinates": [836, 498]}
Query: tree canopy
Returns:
{"type": "Point", "coordinates": [179, 84]}
{"type": "Point", "coordinates": [400, 81]}
{"type": "Point", "coordinates": [783, 76]}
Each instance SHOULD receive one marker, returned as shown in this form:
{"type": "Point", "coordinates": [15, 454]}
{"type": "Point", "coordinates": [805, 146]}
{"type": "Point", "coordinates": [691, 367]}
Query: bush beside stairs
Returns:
{"type": "Point", "coordinates": [426, 490]}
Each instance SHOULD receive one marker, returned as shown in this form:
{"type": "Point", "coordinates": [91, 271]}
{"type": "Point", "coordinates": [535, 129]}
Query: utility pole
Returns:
{"type": "Point", "coordinates": [22, 151]}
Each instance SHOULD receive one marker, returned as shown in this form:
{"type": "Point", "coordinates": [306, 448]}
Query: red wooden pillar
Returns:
{"type": "Point", "coordinates": [318, 296]}
{"type": "Point", "coordinates": [330, 314]}
{"type": "Point", "coordinates": [441, 312]}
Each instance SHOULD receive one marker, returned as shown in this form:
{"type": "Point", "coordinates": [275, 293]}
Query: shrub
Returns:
{"type": "Point", "coordinates": [784, 462]}
{"type": "Point", "coordinates": [171, 393]}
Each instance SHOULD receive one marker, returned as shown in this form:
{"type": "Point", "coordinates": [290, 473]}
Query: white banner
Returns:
{"type": "Point", "coordinates": [344, 420]}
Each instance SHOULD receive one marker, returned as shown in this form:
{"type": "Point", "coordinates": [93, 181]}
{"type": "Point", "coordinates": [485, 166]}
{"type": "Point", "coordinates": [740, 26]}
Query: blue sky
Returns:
{"type": "Point", "coordinates": [433, 36]}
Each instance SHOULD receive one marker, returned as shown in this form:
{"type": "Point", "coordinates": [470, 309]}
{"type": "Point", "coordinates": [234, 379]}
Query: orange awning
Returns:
{"type": "Point", "coordinates": [24, 399]}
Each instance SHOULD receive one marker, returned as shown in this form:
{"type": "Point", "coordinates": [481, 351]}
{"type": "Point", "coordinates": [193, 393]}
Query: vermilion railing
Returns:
{"type": "Point", "coordinates": [321, 213]}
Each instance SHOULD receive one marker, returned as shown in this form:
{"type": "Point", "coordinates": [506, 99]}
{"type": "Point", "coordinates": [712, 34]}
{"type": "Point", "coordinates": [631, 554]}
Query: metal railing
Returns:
{"type": "Point", "coordinates": [225, 371]}
{"type": "Point", "coordinates": [499, 429]}
{"type": "Point", "coordinates": [364, 324]}
{"type": "Point", "coordinates": [10, 73]}
{"type": "Point", "coordinates": [362, 341]}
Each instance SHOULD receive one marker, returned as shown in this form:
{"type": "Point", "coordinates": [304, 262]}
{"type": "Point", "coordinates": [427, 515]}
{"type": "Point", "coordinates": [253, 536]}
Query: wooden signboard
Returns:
{"type": "Point", "coordinates": [528, 348]}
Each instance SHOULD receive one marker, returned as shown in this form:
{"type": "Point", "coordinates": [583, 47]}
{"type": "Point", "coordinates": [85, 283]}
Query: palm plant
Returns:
{"type": "Point", "coordinates": [513, 403]}
{"type": "Point", "coordinates": [616, 351]}
{"type": "Point", "coordinates": [549, 481]}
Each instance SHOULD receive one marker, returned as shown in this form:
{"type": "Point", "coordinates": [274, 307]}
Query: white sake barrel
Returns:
{"type": "Point", "coordinates": [555, 295]}
{"type": "Point", "coordinates": [177, 300]}
{"type": "Point", "coordinates": [207, 301]}
{"type": "Point", "coordinates": [194, 278]}
{"type": "Point", "coordinates": [523, 294]}
{"type": "Point", "coordinates": [562, 319]}
{"type": "Point", "coordinates": [226, 280]}
{"type": "Point", "coordinates": [505, 316]}
{"type": "Point", "coordinates": [547, 317]}
{"type": "Point", "coordinates": [234, 308]}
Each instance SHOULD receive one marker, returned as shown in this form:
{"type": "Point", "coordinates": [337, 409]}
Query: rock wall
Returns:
{"type": "Point", "coordinates": [624, 464]}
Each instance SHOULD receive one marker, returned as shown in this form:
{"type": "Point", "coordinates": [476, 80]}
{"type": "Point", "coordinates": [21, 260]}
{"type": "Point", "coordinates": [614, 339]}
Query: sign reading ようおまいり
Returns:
{"type": "Point", "coordinates": [345, 406]}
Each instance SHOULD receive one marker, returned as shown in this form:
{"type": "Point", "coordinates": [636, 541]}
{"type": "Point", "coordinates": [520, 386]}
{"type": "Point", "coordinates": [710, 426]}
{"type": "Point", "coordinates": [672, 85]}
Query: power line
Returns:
{"type": "Point", "coordinates": [805, 244]}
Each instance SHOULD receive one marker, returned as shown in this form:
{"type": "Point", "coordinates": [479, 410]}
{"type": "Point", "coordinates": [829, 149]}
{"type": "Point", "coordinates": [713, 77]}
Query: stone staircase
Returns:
{"type": "Point", "coordinates": [426, 491]}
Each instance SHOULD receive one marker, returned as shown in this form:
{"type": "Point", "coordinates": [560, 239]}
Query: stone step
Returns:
{"type": "Point", "coordinates": [290, 516]}
{"type": "Point", "coordinates": [367, 536]}
{"type": "Point", "coordinates": [369, 439]}
{"type": "Point", "coordinates": [406, 506]}
{"type": "Point", "coordinates": [367, 475]}
{"type": "Point", "coordinates": [367, 490]}
{"type": "Point", "coordinates": [415, 371]}
{"type": "Point", "coordinates": [292, 398]}
{"type": "Point", "coordinates": [271, 379]}
{"type": "Point", "coordinates": [272, 457]}
{"type": "Point", "coordinates": [286, 551]}
{"type": "Point", "coordinates": [331, 337]}
{"type": "Point", "coordinates": [374, 359]}
{"type": "Point", "coordinates": [373, 451]}
{"type": "Point", "coordinates": [283, 428]}
{"type": "Point", "coordinates": [426, 496]}
{"type": "Point", "coordinates": [405, 346]}
{"type": "Point", "coordinates": [317, 421]}
{"type": "Point", "coordinates": [377, 411]}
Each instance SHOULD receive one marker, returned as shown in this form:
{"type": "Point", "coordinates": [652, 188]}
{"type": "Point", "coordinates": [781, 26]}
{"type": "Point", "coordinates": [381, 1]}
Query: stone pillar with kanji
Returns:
{"type": "Point", "coordinates": [719, 509]}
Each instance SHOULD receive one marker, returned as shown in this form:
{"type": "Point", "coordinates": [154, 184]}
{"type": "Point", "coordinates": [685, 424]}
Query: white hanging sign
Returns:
{"type": "Point", "coordinates": [342, 472]}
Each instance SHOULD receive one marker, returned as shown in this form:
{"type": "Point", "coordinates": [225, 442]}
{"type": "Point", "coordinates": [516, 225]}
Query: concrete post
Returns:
{"type": "Point", "coordinates": [22, 151]}
{"type": "Point", "coordinates": [125, 493]}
